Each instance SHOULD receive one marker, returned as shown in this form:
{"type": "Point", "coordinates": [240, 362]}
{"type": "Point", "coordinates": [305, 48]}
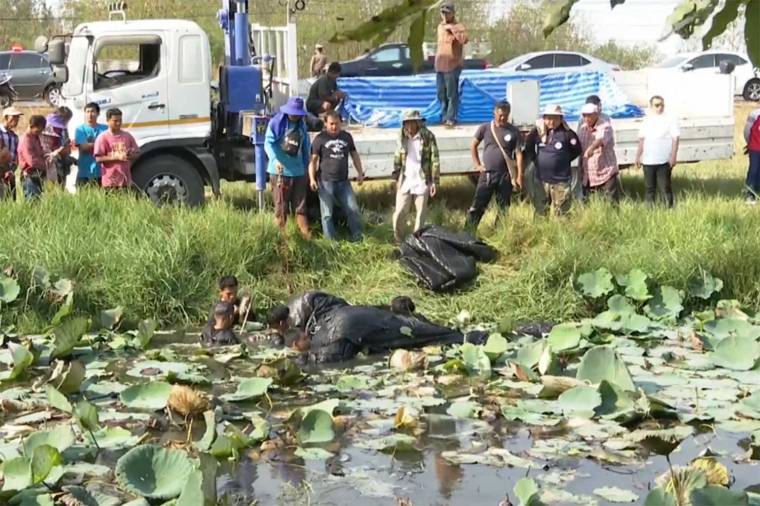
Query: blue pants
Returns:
{"type": "Point", "coordinates": [32, 187]}
{"type": "Point", "coordinates": [340, 192]}
{"type": "Point", "coordinates": [448, 94]}
{"type": "Point", "coordinates": [753, 174]}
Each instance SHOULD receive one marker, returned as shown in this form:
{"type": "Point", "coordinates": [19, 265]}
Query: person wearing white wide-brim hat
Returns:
{"type": "Point", "coordinates": [553, 146]}
{"type": "Point", "coordinates": [8, 151]}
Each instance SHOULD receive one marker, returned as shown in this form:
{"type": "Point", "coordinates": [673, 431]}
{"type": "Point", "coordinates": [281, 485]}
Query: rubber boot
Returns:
{"type": "Point", "coordinates": [303, 226]}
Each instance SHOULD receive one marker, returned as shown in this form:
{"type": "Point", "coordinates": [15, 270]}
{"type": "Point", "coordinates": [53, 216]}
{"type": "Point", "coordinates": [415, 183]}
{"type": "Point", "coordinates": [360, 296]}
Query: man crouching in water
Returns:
{"type": "Point", "coordinates": [219, 331]}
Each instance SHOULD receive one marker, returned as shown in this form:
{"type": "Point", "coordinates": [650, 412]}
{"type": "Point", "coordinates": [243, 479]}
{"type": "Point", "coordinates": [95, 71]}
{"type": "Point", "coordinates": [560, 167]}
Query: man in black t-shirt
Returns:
{"type": "Point", "coordinates": [328, 173]}
{"type": "Point", "coordinates": [324, 95]}
{"type": "Point", "coordinates": [502, 166]}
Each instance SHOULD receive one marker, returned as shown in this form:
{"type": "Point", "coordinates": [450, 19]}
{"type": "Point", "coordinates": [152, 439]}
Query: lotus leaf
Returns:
{"type": "Point", "coordinates": [659, 497]}
{"type": "Point", "coordinates": [146, 329]}
{"type": "Point", "coordinates": [151, 396]}
{"type": "Point", "coordinates": [70, 380]}
{"type": "Point", "coordinates": [617, 495]}
{"type": "Point", "coordinates": [153, 472]}
{"type": "Point", "coordinates": [87, 416]}
{"type": "Point", "coordinates": [529, 354]}
{"type": "Point", "coordinates": [44, 459]}
{"type": "Point", "coordinates": [59, 438]}
{"type": "Point", "coordinates": [737, 353]}
{"type": "Point", "coordinates": [58, 400]}
{"type": "Point", "coordinates": [565, 336]}
{"type": "Point", "coordinates": [210, 434]}
{"type": "Point", "coordinates": [475, 359]}
{"type": "Point", "coordinates": [68, 335]}
{"type": "Point", "coordinates": [663, 441]}
{"type": "Point", "coordinates": [495, 346]}
{"type": "Point", "coordinates": [527, 492]}
{"type": "Point", "coordinates": [113, 438]}
{"type": "Point", "coordinates": [580, 401]}
{"type": "Point", "coordinates": [84, 497]}
{"type": "Point", "coordinates": [17, 474]}
{"type": "Point", "coordinates": [726, 327]}
{"type": "Point", "coordinates": [351, 383]}
{"type": "Point", "coordinates": [705, 286]}
{"type": "Point", "coordinates": [614, 400]}
{"type": "Point", "coordinates": [666, 304]}
{"type": "Point", "coordinates": [22, 359]}
{"type": "Point", "coordinates": [249, 388]}
{"type": "Point", "coordinates": [315, 453]}
{"type": "Point", "coordinates": [596, 284]}
{"type": "Point", "coordinates": [718, 496]}
{"type": "Point", "coordinates": [64, 311]}
{"type": "Point", "coordinates": [110, 318]}
{"type": "Point", "coordinates": [464, 409]}
{"type": "Point", "coordinates": [620, 305]}
{"type": "Point", "coordinates": [392, 443]}
{"type": "Point", "coordinates": [635, 284]}
{"type": "Point", "coordinates": [9, 289]}
{"type": "Point", "coordinates": [316, 427]}
{"type": "Point", "coordinates": [602, 363]}
{"type": "Point", "coordinates": [192, 493]}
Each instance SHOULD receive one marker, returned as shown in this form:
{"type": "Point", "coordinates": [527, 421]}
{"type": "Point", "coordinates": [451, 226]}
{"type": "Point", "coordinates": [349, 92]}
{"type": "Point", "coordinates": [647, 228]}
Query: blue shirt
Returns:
{"type": "Point", "coordinates": [294, 166]}
{"type": "Point", "coordinates": [86, 134]}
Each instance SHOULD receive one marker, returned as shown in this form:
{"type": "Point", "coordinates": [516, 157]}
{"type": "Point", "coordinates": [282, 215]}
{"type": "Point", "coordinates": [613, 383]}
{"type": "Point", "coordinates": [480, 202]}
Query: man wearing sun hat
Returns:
{"type": "Point", "coordinates": [553, 146]}
{"type": "Point", "coordinates": [288, 148]}
{"type": "Point", "coordinates": [9, 151]}
{"type": "Point", "coordinates": [416, 170]}
{"type": "Point", "coordinates": [599, 168]}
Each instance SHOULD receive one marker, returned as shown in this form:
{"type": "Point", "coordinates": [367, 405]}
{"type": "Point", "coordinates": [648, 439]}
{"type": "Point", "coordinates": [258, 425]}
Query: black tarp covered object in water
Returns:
{"type": "Point", "coordinates": [441, 259]}
{"type": "Point", "coordinates": [339, 331]}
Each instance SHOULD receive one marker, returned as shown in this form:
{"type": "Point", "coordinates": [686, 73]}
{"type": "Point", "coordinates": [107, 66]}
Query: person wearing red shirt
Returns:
{"type": "Point", "coordinates": [114, 151]}
{"type": "Point", "coordinates": [31, 158]}
{"type": "Point", "coordinates": [752, 137]}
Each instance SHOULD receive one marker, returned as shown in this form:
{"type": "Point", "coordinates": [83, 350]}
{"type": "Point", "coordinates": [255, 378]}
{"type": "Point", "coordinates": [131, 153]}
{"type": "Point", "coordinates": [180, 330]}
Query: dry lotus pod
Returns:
{"type": "Point", "coordinates": [186, 401]}
{"type": "Point", "coordinates": [406, 360]}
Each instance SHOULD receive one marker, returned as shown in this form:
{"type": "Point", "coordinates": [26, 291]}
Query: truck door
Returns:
{"type": "Point", "coordinates": [130, 72]}
{"type": "Point", "coordinates": [190, 108]}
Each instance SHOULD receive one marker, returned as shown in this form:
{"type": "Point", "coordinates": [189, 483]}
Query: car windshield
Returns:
{"type": "Point", "coordinates": [672, 62]}
{"type": "Point", "coordinates": [76, 62]}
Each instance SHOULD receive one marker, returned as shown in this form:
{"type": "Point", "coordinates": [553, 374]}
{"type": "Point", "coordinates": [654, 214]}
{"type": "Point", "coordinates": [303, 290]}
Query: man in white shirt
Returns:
{"type": "Point", "coordinates": [416, 170]}
{"type": "Point", "coordinates": [658, 150]}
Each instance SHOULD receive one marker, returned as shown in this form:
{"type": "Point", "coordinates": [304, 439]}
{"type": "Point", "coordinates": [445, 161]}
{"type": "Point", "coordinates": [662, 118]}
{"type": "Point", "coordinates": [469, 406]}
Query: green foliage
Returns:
{"type": "Point", "coordinates": [154, 472]}
{"type": "Point", "coordinates": [596, 284]}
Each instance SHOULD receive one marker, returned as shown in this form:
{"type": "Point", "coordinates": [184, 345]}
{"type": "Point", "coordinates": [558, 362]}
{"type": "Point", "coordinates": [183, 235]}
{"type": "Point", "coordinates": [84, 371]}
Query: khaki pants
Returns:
{"type": "Point", "coordinates": [403, 204]}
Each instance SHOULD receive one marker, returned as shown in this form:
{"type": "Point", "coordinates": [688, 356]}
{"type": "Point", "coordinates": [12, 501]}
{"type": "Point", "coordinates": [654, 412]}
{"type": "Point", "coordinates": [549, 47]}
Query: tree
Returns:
{"type": "Point", "coordinates": [23, 21]}
{"type": "Point", "coordinates": [686, 17]}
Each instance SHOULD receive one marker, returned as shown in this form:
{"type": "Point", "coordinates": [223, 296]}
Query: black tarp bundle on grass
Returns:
{"type": "Point", "coordinates": [443, 260]}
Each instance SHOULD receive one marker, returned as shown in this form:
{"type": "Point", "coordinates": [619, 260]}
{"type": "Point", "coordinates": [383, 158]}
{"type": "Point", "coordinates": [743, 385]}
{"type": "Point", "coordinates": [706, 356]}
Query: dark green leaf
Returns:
{"type": "Point", "coordinates": [154, 472]}
{"type": "Point", "coordinates": [17, 474]}
{"type": "Point", "coordinates": [192, 493]}
{"type": "Point", "coordinates": [704, 286]}
{"type": "Point", "coordinates": [380, 26]}
{"type": "Point", "coordinates": [57, 399]}
{"type": "Point", "coordinates": [602, 363]}
{"type": "Point", "coordinates": [565, 336]}
{"type": "Point", "coordinates": [146, 329]}
{"type": "Point", "coordinates": [580, 401]}
{"type": "Point", "coordinates": [690, 14]}
{"type": "Point", "coordinates": [598, 283]}
{"type": "Point", "coordinates": [71, 380]}
{"type": "Point", "coordinates": [660, 497]}
{"type": "Point", "coordinates": [495, 347]}
{"type": "Point", "coordinates": [64, 311]}
{"type": "Point", "coordinates": [635, 283]}
{"type": "Point", "coordinates": [751, 33]}
{"type": "Point", "coordinates": [111, 317]}
{"type": "Point", "coordinates": [557, 13]}
{"type": "Point", "coordinates": [316, 427]}
{"type": "Point", "coordinates": [152, 395]}
{"type": "Point", "coordinates": [666, 304]}
{"type": "Point", "coordinates": [22, 359]}
{"type": "Point", "coordinates": [208, 437]}
{"type": "Point", "coordinates": [718, 496]}
{"type": "Point", "coordinates": [87, 415]}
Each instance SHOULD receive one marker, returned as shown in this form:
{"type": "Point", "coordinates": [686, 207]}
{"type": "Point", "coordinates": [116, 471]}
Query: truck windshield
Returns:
{"type": "Point", "coordinates": [77, 64]}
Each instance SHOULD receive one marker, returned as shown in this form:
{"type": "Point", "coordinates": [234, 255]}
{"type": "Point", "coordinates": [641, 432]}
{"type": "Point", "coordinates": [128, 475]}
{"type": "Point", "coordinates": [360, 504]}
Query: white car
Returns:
{"type": "Point", "coordinates": [746, 78]}
{"type": "Point", "coordinates": [543, 62]}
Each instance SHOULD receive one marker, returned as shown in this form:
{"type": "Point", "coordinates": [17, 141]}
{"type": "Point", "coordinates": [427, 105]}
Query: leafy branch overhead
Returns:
{"type": "Point", "coordinates": [686, 17]}
{"type": "Point", "coordinates": [382, 25]}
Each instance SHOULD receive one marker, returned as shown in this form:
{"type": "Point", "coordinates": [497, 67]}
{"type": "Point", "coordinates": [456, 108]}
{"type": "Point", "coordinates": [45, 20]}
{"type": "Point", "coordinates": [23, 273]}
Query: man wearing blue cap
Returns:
{"type": "Point", "coordinates": [288, 146]}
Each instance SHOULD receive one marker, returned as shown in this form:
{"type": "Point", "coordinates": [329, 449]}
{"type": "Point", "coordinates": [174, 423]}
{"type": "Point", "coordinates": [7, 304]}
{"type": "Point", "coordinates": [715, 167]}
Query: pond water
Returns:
{"type": "Point", "coordinates": [467, 435]}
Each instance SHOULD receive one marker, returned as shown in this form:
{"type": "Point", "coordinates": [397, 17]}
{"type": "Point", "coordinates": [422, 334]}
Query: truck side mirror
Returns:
{"type": "Point", "coordinates": [57, 52]}
{"type": "Point", "coordinates": [61, 74]}
{"type": "Point", "coordinates": [687, 67]}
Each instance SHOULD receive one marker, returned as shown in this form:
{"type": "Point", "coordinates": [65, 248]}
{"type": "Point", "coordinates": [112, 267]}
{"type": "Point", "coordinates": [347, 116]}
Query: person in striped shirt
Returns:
{"type": "Point", "coordinates": [8, 152]}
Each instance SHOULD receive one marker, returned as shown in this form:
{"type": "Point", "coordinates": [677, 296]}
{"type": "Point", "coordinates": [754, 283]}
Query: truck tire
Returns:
{"type": "Point", "coordinates": [752, 90]}
{"type": "Point", "coordinates": [169, 179]}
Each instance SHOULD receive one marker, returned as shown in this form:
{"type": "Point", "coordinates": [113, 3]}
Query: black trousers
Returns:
{"type": "Point", "coordinates": [658, 177]}
{"type": "Point", "coordinates": [490, 184]}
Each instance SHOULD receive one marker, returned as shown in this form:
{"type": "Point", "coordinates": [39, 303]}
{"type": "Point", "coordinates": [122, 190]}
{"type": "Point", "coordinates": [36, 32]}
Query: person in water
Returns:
{"type": "Point", "coordinates": [329, 329]}
{"type": "Point", "coordinates": [219, 332]}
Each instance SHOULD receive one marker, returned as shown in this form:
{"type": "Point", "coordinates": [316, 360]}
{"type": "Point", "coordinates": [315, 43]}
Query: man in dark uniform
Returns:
{"type": "Point", "coordinates": [553, 146]}
{"type": "Point", "coordinates": [502, 167]}
{"type": "Point", "coordinates": [324, 95]}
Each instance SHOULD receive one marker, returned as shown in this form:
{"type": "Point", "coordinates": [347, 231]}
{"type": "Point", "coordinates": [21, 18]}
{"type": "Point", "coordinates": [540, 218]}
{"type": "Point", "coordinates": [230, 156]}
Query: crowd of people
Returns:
{"type": "Point", "coordinates": [44, 152]}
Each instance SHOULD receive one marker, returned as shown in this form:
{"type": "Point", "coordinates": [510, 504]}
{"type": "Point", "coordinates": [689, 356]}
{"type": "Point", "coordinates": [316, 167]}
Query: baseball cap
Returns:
{"type": "Point", "coordinates": [589, 109]}
{"type": "Point", "coordinates": [447, 7]}
{"type": "Point", "coordinates": [12, 111]}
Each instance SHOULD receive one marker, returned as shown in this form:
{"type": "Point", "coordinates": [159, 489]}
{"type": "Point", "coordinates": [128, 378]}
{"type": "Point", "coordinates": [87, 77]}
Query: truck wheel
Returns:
{"type": "Point", "coordinates": [752, 90]}
{"type": "Point", "coordinates": [6, 101]}
{"type": "Point", "coordinates": [53, 95]}
{"type": "Point", "coordinates": [169, 179]}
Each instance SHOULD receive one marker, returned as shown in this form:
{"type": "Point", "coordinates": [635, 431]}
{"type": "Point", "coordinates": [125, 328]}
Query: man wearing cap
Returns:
{"type": "Point", "coordinates": [324, 94]}
{"type": "Point", "coordinates": [9, 152]}
{"type": "Point", "coordinates": [553, 146]}
{"type": "Point", "coordinates": [502, 166]}
{"type": "Point", "coordinates": [577, 186]}
{"type": "Point", "coordinates": [318, 61]}
{"type": "Point", "coordinates": [449, 60]}
{"type": "Point", "coordinates": [598, 164]}
{"type": "Point", "coordinates": [288, 148]}
{"type": "Point", "coordinates": [416, 170]}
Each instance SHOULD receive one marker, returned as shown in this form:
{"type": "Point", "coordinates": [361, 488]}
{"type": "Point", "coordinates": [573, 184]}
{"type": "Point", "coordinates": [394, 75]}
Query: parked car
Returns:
{"type": "Point", "coordinates": [542, 62]}
{"type": "Point", "coordinates": [31, 75]}
{"type": "Point", "coordinates": [394, 60]}
{"type": "Point", "coordinates": [747, 79]}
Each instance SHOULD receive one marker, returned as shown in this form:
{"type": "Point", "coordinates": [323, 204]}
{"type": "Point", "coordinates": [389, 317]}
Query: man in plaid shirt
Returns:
{"type": "Point", "coordinates": [8, 152]}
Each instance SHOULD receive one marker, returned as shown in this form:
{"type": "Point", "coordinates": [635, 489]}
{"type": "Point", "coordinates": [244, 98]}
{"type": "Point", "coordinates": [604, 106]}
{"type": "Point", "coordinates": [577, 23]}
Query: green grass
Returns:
{"type": "Point", "coordinates": [164, 262]}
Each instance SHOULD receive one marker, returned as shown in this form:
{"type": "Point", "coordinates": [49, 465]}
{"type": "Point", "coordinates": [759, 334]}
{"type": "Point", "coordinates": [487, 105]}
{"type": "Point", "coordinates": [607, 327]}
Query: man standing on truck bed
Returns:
{"type": "Point", "coordinates": [324, 95]}
{"type": "Point", "coordinates": [449, 60]}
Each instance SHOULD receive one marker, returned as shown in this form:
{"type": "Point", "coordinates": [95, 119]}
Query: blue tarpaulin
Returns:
{"type": "Point", "coordinates": [380, 101]}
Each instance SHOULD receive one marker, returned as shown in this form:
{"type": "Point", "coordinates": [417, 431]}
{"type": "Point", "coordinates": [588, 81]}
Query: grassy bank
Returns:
{"type": "Point", "coordinates": [164, 262]}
